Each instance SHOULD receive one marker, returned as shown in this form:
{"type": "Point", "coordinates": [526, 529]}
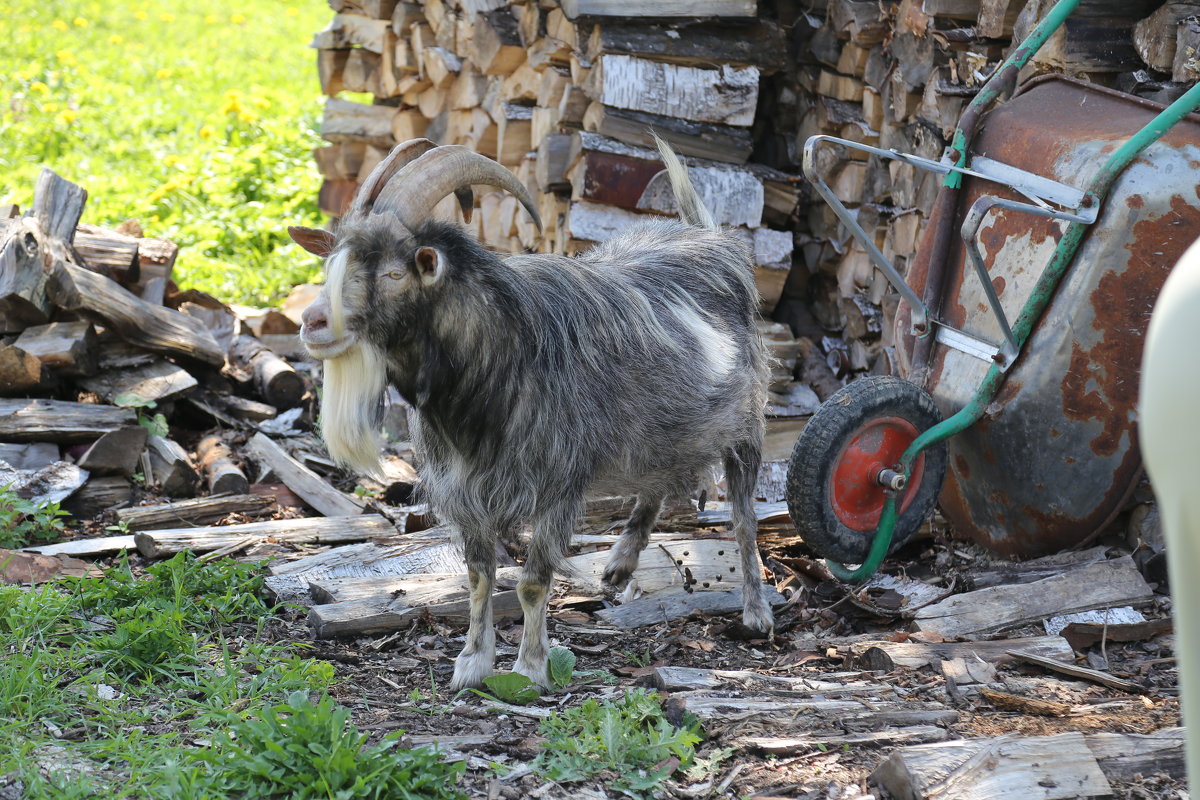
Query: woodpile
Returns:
{"type": "Point", "coordinates": [566, 93]}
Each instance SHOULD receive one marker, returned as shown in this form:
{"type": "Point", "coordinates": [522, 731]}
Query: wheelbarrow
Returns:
{"type": "Point", "coordinates": [1021, 337]}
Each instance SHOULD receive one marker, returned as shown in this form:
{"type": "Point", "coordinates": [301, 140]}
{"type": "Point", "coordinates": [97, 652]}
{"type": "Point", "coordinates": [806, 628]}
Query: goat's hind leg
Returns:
{"type": "Point", "coordinates": [478, 657]}
{"type": "Point", "coordinates": [624, 557]}
{"type": "Point", "coordinates": [741, 474]}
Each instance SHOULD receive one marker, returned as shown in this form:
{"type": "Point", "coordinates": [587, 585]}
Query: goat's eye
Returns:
{"type": "Point", "coordinates": [397, 274]}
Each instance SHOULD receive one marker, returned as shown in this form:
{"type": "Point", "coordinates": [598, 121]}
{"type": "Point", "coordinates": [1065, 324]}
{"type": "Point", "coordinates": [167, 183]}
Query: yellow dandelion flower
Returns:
{"type": "Point", "coordinates": [66, 116]}
{"type": "Point", "coordinates": [39, 87]}
{"type": "Point", "coordinates": [171, 160]}
{"type": "Point", "coordinates": [238, 19]}
{"type": "Point", "coordinates": [167, 17]}
{"type": "Point", "coordinates": [292, 11]}
{"type": "Point", "coordinates": [211, 19]}
{"type": "Point", "coordinates": [206, 132]}
{"type": "Point", "coordinates": [246, 115]}
{"type": "Point", "coordinates": [162, 74]}
{"type": "Point", "coordinates": [232, 107]}
{"type": "Point", "coordinates": [26, 28]}
{"type": "Point", "coordinates": [59, 25]}
{"type": "Point", "coordinates": [115, 39]}
{"type": "Point", "coordinates": [49, 108]}
{"type": "Point", "coordinates": [66, 57]}
{"type": "Point", "coordinates": [140, 14]}
{"type": "Point", "coordinates": [260, 102]}
{"type": "Point", "coordinates": [79, 22]}
{"type": "Point", "coordinates": [233, 94]}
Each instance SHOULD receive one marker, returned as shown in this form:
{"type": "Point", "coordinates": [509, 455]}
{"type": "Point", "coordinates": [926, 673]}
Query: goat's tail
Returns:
{"type": "Point", "coordinates": [691, 208]}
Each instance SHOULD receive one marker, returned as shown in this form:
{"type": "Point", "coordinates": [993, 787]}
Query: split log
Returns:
{"type": "Point", "coordinates": [99, 495]}
{"type": "Point", "coordinates": [348, 30]}
{"type": "Point", "coordinates": [116, 452]}
{"type": "Point", "coordinates": [157, 382]}
{"type": "Point", "coordinates": [108, 252]}
{"type": "Point", "coordinates": [888, 656]}
{"type": "Point", "coordinates": [156, 258]}
{"type": "Point", "coordinates": [1038, 768]}
{"type": "Point", "coordinates": [69, 348]}
{"type": "Point", "coordinates": [195, 511]}
{"type": "Point", "coordinates": [495, 47]}
{"type": "Point", "coordinates": [331, 65]}
{"type": "Point", "coordinates": [291, 581]}
{"type": "Point", "coordinates": [346, 121]}
{"type": "Point", "coordinates": [1097, 39]}
{"type": "Point", "coordinates": [275, 379]}
{"type": "Point", "coordinates": [150, 326]}
{"type": "Point", "coordinates": [23, 298]}
{"type": "Point", "coordinates": [725, 96]}
{"type": "Point", "coordinates": [553, 153]}
{"type": "Point", "coordinates": [220, 466]}
{"type": "Point", "coordinates": [600, 9]}
{"type": "Point", "coordinates": [1186, 67]}
{"type": "Point", "coordinates": [38, 420]}
{"type": "Point", "coordinates": [316, 530]}
{"type": "Point", "coordinates": [32, 455]}
{"type": "Point", "coordinates": [58, 205]}
{"type": "Point", "coordinates": [758, 44]}
{"type": "Point", "coordinates": [170, 467]}
{"type": "Point", "coordinates": [703, 140]}
{"type": "Point", "coordinates": [380, 615]}
{"type": "Point", "coordinates": [672, 604]}
{"type": "Point", "coordinates": [22, 373]}
{"type": "Point", "coordinates": [302, 480]}
{"type": "Point", "coordinates": [988, 611]}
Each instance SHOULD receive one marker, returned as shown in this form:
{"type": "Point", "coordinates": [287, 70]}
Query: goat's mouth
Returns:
{"type": "Point", "coordinates": [321, 342]}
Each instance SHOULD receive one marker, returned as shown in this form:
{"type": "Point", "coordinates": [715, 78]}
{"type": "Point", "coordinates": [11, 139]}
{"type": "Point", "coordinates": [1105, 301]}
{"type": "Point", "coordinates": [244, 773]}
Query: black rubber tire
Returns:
{"type": "Point", "coordinates": [823, 440]}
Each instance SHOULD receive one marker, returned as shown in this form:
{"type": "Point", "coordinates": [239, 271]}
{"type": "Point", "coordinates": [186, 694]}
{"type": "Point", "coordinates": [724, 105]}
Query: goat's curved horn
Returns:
{"type": "Point", "coordinates": [401, 155]}
{"type": "Point", "coordinates": [417, 187]}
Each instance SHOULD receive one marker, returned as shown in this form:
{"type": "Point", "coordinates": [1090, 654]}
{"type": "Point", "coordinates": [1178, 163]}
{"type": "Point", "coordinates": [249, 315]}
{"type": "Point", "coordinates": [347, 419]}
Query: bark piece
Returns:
{"type": "Point", "coordinates": [726, 96]}
{"type": "Point", "coordinates": [158, 543]}
{"type": "Point", "coordinates": [302, 480]}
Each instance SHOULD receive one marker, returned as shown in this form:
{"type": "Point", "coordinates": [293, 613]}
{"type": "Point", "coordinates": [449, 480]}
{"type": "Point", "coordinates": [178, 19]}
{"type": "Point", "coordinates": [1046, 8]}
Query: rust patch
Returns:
{"type": "Point", "coordinates": [963, 467]}
{"type": "Point", "coordinates": [1135, 201]}
{"type": "Point", "coordinates": [998, 285]}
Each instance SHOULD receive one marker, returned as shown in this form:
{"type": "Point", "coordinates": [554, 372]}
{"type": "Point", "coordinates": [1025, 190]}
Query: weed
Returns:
{"type": "Point", "coordinates": [156, 425]}
{"type": "Point", "coordinates": [628, 737]}
{"type": "Point", "coordinates": [23, 522]}
{"type": "Point", "coordinates": [642, 659]}
{"type": "Point", "coordinates": [148, 646]}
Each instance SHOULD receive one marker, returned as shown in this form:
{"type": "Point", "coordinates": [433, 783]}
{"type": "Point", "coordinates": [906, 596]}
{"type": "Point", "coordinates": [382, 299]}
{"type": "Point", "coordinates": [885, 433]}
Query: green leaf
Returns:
{"type": "Point", "coordinates": [562, 665]}
{"type": "Point", "coordinates": [512, 687]}
{"type": "Point", "coordinates": [131, 400]}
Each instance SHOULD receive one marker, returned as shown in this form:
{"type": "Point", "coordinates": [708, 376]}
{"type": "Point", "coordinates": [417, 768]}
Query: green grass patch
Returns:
{"type": "Point", "coordinates": [24, 522]}
{"type": "Point", "coordinates": [195, 118]}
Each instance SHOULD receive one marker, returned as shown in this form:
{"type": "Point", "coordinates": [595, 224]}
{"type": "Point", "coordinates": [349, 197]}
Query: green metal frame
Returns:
{"type": "Point", "coordinates": [1047, 284]}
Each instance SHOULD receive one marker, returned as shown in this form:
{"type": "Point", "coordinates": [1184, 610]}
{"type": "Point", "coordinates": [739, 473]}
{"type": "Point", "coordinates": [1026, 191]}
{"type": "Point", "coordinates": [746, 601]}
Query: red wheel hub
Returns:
{"type": "Point", "coordinates": [854, 491]}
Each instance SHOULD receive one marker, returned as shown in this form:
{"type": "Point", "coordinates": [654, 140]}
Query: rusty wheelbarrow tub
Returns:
{"type": "Point", "coordinates": [1067, 207]}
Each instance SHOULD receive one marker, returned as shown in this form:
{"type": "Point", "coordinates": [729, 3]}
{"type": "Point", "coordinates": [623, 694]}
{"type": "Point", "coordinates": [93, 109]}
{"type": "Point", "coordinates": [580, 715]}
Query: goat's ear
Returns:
{"type": "Point", "coordinates": [429, 265]}
{"type": "Point", "coordinates": [317, 242]}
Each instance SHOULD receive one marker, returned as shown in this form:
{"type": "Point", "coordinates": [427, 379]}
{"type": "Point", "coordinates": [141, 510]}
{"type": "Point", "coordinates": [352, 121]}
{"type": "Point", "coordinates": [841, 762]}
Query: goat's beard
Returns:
{"type": "Point", "coordinates": [352, 405]}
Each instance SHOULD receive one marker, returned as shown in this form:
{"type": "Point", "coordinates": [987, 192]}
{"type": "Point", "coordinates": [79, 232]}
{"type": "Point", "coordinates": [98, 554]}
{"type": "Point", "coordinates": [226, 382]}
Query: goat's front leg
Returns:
{"type": "Point", "coordinates": [478, 657]}
{"type": "Point", "coordinates": [625, 554]}
{"type": "Point", "coordinates": [741, 474]}
{"type": "Point", "coordinates": [551, 535]}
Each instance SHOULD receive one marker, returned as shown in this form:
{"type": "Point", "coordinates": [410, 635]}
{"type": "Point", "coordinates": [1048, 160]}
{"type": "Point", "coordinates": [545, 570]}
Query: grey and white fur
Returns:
{"type": "Point", "coordinates": [536, 379]}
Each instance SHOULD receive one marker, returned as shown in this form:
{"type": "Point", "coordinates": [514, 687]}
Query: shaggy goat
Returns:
{"type": "Point", "coordinates": [534, 378]}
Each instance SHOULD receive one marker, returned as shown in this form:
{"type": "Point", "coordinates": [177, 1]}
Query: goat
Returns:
{"type": "Point", "coordinates": [534, 378]}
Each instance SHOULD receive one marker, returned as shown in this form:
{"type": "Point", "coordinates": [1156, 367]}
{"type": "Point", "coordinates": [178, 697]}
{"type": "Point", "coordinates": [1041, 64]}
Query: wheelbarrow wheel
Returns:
{"type": "Point", "coordinates": [833, 489]}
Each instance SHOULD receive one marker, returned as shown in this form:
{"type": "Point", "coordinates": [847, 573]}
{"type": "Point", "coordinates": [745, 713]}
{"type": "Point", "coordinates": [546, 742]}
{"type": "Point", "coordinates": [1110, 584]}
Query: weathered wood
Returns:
{"type": "Point", "coordinates": [688, 679]}
{"type": "Point", "coordinates": [158, 381]}
{"type": "Point", "coordinates": [888, 656]}
{"type": "Point", "coordinates": [346, 121]}
{"type": "Point", "coordinates": [40, 420]}
{"type": "Point", "coordinates": [759, 44]}
{"type": "Point", "coordinates": [291, 581]}
{"type": "Point", "coordinates": [1037, 768]}
{"type": "Point", "coordinates": [220, 467]}
{"type": "Point", "coordinates": [315, 530]}
{"type": "Point", "coordinates": [726, 96]}
{"type": "Point", "coordinates": [848, 714]}
{"type": "Point", "coordinates": [331, 64]}
{"type": "Point", "coordinates": [1186, 67]}
{"type": "Point", "coordinates": [1097, 38]}
{"type": "Point", "coordinates": [58, 205]}
{"type": "Point", "coordinates": [417, 589]}
{"type": "Point", "coordinates": [495, 47]}
{"type": "Point", "coordinates": [69, 348]}
{"type": "Point", "coordinates": [116, 452]}
{"type": "Point", "coordinates": [989, 611]}
{"type": "Point", "coordinates": [195, 511]}
{"type": "Point", "coordinates": [347, 30]}
{"type": "Point", "coordinates": [275, 379]}
{"type": "Point", "coordinates": [85, 548]}
{"type": "Point", "coordinates": [671, 604]}
{"type": "Point", "coordinates": [687, 137]}
{"type": "Point", "coordinates": [170, 467]}
{"type": "Point", "coordinates": [825, 742]}
{"type": "Point", "coordinates": [150, 326]}
{"type": "Point", "coordinates": [1076, 671]}
{"type": "Point", "coordinates": [33, 455]}
{"type": "Point", "coordinates": [98, 495]}
{"type": "Point", "coordinates": [302, 480]}
{"type": "Point", "coordinates": [553, 152]}
{"type": "Point", "coordinates": [596, 222]}
{"type": "Point", "coordinates": [1123, 756]}
{"type": "Point", "coordinates": [733, 196]}
{"type": "Point", "coordinates": [23, 298]}
{"type": "Point", "coordinates": [1155, 37]}
{"type": "Point", "coordinates": [597, 9]}
{"type": "Point", "coordinates": [156, 258]}
{"type": "Point", "coordinates": [21, 373]}
{"type": "Point", "coordinates": [373, 616]}
{"type": "Point", "coordinates": [108, 252]}
{"type": "Point", "coordinates": [1008, 572]}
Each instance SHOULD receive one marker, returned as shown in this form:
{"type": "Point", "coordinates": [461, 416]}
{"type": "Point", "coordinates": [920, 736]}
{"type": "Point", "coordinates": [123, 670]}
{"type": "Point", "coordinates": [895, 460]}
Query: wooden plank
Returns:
{"type": "Point", "coordinates": [307, 484]}
{"type": "Point", "coordinates": [989, 611]}
{"type": "Point", "coordinates": [598, 9]}
{"type": "Point", "coordinates": [347, 30]}
{"type": "Point", "coordinates": [670, 604]}
{"type": "Point", "coordinates": [144, 324]}
{"type": "Point", "coordinates": [158, 382]}
{"type": "Point", "coordinates": [1031, 768]}
{"type": "Point", "coordinates": [887, 656]}
{"type": "Point", "coordinates": [59, 421]}
{"type": "Point", "coordinates": [86, 548]}
{"type": "Point", "coordinates": [852, 713]}
{"type": "Point", "coordinates": [826, 742]}
{"type": "Point", "coordinates": [194, 511]}
{"type": "Point", "coordinates": [715, 565]}
{"type": "Point", "coordinates": [366, 617]}
{"type": "Point", "coordinates": [1123, 756]}
{"type": "Point", "coordinates": [758, 44]}
{"type": "Point", "coordinates": [725, 96]}
{"type": "Point", "coordinates": [1076, 671]}
{"type": "Point", "coordinates": [686, 679]}
{"type": "Point", "coordinates": [314, 530]}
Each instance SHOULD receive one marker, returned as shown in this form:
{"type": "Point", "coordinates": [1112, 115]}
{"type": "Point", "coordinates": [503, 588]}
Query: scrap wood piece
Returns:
{"type": "Point", "coordinates": [1031, 768]}
{"type": "Point", "coordinates": [1076, 671]}
{"type": "Point", "coordinates": [715, 565]}
{"type": "Point", "coordinates": [90, 548]}
{"type": "Point", "coordinates": [219, 464]}
{"type": "Point", "coordinates": [23, 298]}
{"type": "Point", "coordinates": [989, 611]}
{"type": "Point", "coordinates": [30, 455]}
{"type": "Point", "coordinates": [853, 714]}
{"type": "Point", "coordinates": [380, 615]}
{"type": "Point", "coordinates": [275, 379]}
{"type": "Point", "coordinates": [158, 381]}
{"type": "Point", "coordinates": [154, 544]}
{"type": "Point", "coordinates": [21, 373]}
{"type": "Point", "coordinates": [69, 348]}
{"type": "Point", "coordinates": [1123, 755]}
{"type": "Point", "coordinates": [1025, 705]}
{"type": "Point", "coordinates": [170, 467]}
{"type": "Point", "coordinates": [116, 452]}
{"type": "Point", "coordinates": [151, 326]}
{"type": "Point", "coordinates": [307, 484]}
{"type": "Point", "coordinates": [50, 484]}
{"type": "Point", "coordinates": [59, 421]}
{"type": "Point", "coordinates": [888, 656]}
{"type": "Point", "coordinates": [18, 567]}
{"type": "Point", "coordinates": [678, 679]}
{"type": "Point", "coordinates": [716, 513]}
{"type": "Point", "coordinates": [195, 511]}
{"type": "Point", "coordinates": [423, 586]}
{"type": "Point", "coordinates": [1082, 635]}
{"type": "Point", "coordinates": [676, 603]}
{"type": "Point", "coordinates": [817, 741]}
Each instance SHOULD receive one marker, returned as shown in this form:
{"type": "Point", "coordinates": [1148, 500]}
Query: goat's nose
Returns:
{"type": "Point", "coordinates": [314, 317]}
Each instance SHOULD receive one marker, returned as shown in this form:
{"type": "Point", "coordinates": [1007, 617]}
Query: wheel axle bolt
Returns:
{"type": "Point", "coordinates": [891, 479]}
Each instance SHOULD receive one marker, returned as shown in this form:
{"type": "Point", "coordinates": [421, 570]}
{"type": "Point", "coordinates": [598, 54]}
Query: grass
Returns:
{"type": "Point", "coordinates": [197, 119]}
{"type": "Point", "coordinates": [164, 685]}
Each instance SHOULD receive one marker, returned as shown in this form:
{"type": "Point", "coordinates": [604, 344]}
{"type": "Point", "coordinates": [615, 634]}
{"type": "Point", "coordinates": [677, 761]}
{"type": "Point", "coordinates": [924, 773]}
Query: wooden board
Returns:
{"type": "Point", "coordinates": [988, 611]}
{"type": "Point", "coordinates": [193, 511]}
{"type": "Point", "coordinates": [307, 484]}
{"type": "Point", "coordinates": [676, 603]}
{"type": "Point", "coordinates": [776, 710]}
{"type": "Point", "coordinates": [686, 679]}
{"type": "Point", "coordinates": [365, 617]}
{"type": "Point", "coordinates": [60, 421]}
{"type": "Point", "coordinates": [887, 656]}
{"type": "Point", "coordinates": [86, 548]}
{"type": "Point", "coordinates": [158, 381]}
{"type": "Point", "coordinates": [321, 530]}
{"type": "Point", "coordinates": [715, 564]}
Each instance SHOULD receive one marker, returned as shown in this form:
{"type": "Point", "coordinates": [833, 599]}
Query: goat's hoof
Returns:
{"type": "Point", "coordinates": [616, 573]}
{"type": "Point", "coordinates": [538, 673]}
{"type": "Point", "coordinates": [469, 672]}
{"type": "Point", "coordinates": [758, 617]}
